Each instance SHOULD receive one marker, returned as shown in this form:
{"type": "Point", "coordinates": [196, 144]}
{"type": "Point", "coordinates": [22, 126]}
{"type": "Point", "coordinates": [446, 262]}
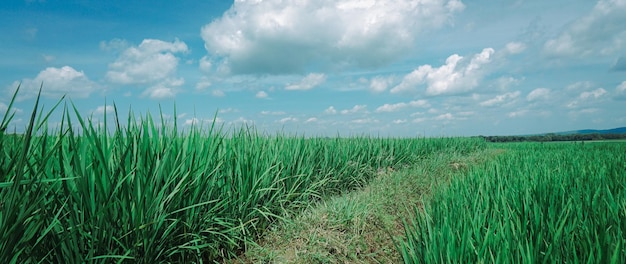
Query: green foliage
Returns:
{"type": "Point", "coordinates": [145, 191]}
{"type": "Point", "coordinates": [536, 203]}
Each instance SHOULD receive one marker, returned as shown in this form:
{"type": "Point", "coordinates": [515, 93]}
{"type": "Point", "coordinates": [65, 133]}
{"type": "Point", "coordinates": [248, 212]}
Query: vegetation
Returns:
{"type": "Point", "coordinates": [360, 227]}
{"type": "Point", "coordinates": [556, 137]}
{"type": "Point", "coordinates": [145, 191]}
{"type": "Point", "coordinates": [535, 203]}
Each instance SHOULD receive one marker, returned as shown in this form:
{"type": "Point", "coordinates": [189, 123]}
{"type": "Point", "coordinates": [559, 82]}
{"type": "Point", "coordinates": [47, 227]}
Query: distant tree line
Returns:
{"type": "Point", "coordinates": [554, 137]}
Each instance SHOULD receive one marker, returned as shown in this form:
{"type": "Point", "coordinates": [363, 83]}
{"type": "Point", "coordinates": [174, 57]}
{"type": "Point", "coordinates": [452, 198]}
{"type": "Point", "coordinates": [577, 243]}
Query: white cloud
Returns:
{"type": "Point", "coordinates": [159, 92]}
{"type": "Point", "coordinates": [446, 116]}
{"type": "Point", "coordinates": [218, 93]}
{"type": "Point", "coordinates": [592, 94]}
{"type": "Point", "coordinates": [538, 94]}
{"type": "Point", "coordinates": [165, 89]}
{"type": "Point", "coordinates": [501, 99]}
{"type": "Point", "coordinates": [104, 108]}
{"type": "Point", "coordinates": [228, 110]}
{"type": "Point", "coordinates": [354, 109]}
{"type": "Point", "coordinates": [205, 64]}
{"type": "Point", "coordinates": [279, 37]}
{"type": "Point", "coordinates": [308, 82]}
{"type": "Point", "coordinates": [586, 98]}
{"type": "Point", "coordinates": [203, 83]}
{"type": "Point", "coordinates": [330, 110]}
{"type": "Point", "coordinates": [273, 113]}
{"type": "Point", "coordinates": [365, 121]}
{"type": "Point", "coordinates": [197, 121]}
{"type": "Point", "coordinates": [56, 83]}
{"type": "Point", "coordinates": [192, 121]}
{"type": "Point", "coordinates": [380, 84]}
{"type": "Point", "coordinates": [288, 119]}
{"type": "Point", "coordinates": [451, 78]}
{"type": "Point", "coordinates": [152, 61]}
{"type": "Point", "coordinates": [515, 47]}
{"type": "Point", "coordinates": [399, 121]}
{"type": "Point", "coordinates": [311, 120]}
{"type": "Point", "coordinates": [601, 32]}
{"type": "Point", "coordinates": [400, 106]}
{"type": "Point", "coordinates": [261, 94]}
{"type": "Point", "coordinates": [419, 120]}
{"type": "Point", "coordinates": [504, 83]}
{"type": "Point", "coordinates": [114, 45]}
{"type": "Point", "coordinates": [519, 113]}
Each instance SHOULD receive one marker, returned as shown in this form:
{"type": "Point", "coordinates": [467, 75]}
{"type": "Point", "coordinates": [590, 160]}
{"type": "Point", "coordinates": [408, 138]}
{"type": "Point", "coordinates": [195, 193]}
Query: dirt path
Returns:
{"type": "Point", "coordinates": [360, 226]}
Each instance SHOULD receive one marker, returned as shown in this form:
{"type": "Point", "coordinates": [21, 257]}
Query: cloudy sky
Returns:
{"type": "Point", "coordinates": [322, 67]}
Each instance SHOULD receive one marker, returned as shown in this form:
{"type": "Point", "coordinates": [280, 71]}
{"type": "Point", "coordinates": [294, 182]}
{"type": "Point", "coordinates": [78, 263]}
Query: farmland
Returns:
{"type": "Point", "coordinates": [147, 192]}
{"type": "Point", "coordinates": [534, 203]}
{"type": "Point", "coordinates": [142, 189]}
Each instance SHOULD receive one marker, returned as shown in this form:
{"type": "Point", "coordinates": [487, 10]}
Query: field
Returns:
{"type": "Point", "coordinates": [144, 190]}
{"type": "Point", "coordinates": [563, 203]}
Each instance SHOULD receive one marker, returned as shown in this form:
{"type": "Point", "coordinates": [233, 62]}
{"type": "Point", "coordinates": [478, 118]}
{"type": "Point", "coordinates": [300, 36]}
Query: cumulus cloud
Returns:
{"type": "Point", "coordinates": [153, 60]}
{"type": "Point", "coordinates": [308, 82]}
{"type": "Point", "coordinates": [593, 94]}
{"type": "Point", "coordinates": [205, 64]}
{"type": "Point", "coordinates": [586, 98]}
{"type": "Point", "coordinates": [380, 84]}
{"type": "Point", "coordinates": [104, 109]}
{"type": "Point", "coordinates": [446, 116]}
{"type": "Point", "coordinates": [601, 32]}
{"type": "Point", "coordinates": [165, 89]}
{"type": "Point", "coordinates": [452, 78]}
{"type": "Point", "coordinates": [538, 94]}
{"type": "Point", "coordinates": [56, 83]}
{"type": "Point", "coordinates": [203, 83]}
{"type": "Point", "coordinates": [261, 95]}
{"type": "Point", "coordinates": [501, 99]}
{"type": "Point", "coordinates": [311, 120]}
{"type": "Point", "coordinates": [399, 106]}
{"type": "Point", "coordinates": [330, 110]}
{"type": "Point", "coordinates": [278, 37]}
{"type": "Point", "coordinates": [354, 109]}
{"type": "Point", "coordinates": [151, 63]}
{"type": "Point", "coordinates": [287, 119]}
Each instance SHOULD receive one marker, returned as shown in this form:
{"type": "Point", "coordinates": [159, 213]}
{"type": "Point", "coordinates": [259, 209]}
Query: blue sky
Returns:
{"type": "Point", "coordinates": [322, 67]}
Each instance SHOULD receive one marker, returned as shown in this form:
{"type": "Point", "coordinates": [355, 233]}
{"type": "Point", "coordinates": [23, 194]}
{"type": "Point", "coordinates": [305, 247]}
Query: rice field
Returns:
{"type": "Point", "coordinates": [534, 203]}
{"type": "Point", "coordinates": [143, 190]}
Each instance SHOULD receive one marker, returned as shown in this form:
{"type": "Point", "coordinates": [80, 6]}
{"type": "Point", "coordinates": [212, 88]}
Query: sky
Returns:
{"type": "Point", "coordinates": [398, 68]}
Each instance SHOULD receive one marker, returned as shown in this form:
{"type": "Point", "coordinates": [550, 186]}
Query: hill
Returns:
{"type": "Point", "coordinates": [619, 130]}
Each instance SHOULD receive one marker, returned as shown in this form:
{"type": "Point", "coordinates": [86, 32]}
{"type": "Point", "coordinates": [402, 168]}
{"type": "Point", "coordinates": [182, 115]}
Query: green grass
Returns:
{"type": "Point", "coordinates": [535, 203]}
{"type": "Point", "coordinates": [360, 226]}
{"type": "Point", "coordinates": [145, 191]}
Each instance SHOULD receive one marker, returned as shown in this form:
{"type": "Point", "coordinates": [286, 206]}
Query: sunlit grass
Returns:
{"type": "Point", "coordinates": [146, 191]}
{"type": "Point", "coordinates": [536, 203]}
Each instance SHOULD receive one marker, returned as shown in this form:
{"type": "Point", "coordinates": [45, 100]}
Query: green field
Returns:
{"type": "Point", "coordinates": [561, 203]}
{"type": "Point", "coordinates": [144, 190]}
